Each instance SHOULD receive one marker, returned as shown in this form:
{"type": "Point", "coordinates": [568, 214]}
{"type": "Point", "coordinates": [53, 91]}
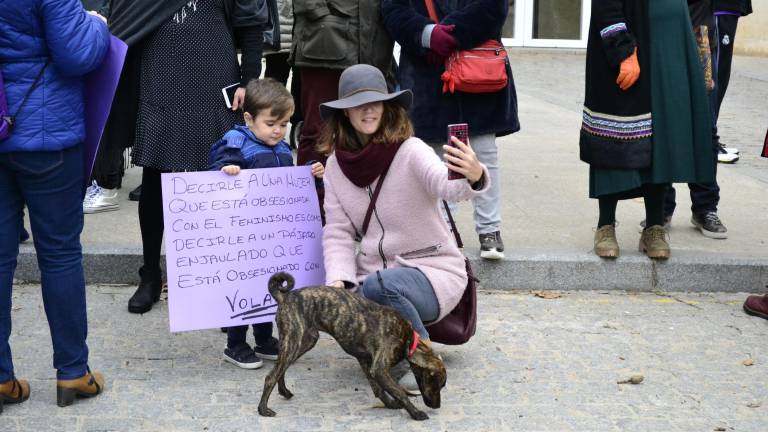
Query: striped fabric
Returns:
{"type": "Point", "coordinates": [617, 127]}
{"type": "Point", "coordinates": [613, 29]}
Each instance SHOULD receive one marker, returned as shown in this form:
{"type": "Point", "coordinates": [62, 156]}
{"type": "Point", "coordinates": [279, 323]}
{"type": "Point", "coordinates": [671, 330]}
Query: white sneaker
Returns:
{"type": "Point", "coordinates": [727, 158]}
{"type": "Point", "coordinates": [98, 199]}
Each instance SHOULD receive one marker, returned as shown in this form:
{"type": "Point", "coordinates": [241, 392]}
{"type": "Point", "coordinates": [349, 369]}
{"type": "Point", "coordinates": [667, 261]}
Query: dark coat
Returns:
{"type": "Point", "coordinates": [336, 34]}
{"type": "Point", "coordinates": [617, 125]}
{"type": "Point", "coordinates": [743, 7]}
{"type": "Point", "coordinates": [132, 21]}
{"type": "Point", "coordinates": [476, 21]}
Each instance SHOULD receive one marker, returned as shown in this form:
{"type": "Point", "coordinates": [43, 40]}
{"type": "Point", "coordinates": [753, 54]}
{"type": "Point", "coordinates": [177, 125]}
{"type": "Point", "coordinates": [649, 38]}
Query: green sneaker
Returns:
{"type": "Point", "coordinates": [606, 245]}
{"type": "Point", "coordinates": [653, 243]}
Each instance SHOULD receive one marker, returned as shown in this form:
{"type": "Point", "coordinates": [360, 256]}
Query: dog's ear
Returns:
{"type": "Point", "coordinates": [425, 358]}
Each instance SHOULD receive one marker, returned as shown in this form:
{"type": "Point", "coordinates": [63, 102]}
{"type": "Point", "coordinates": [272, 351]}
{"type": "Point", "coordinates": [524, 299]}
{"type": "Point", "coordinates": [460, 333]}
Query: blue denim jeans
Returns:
{"type": "Point", "coordinates": [487, 212]}
{"type": "Point", "coordinates": [51, 185]}
{"type": "Point", "coordinates": [407, 291]}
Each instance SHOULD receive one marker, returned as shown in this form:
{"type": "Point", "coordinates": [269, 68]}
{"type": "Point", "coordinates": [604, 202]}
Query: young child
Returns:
{"type": "Point", "coordinates": [259, 144]}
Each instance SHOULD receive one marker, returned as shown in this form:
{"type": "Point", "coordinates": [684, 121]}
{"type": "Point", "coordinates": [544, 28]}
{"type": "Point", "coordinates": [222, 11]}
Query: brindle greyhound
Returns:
{"type": "Point", "coordinates": [376, 335]}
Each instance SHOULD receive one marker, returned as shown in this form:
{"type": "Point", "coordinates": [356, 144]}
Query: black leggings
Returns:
{"type": "Point", "coordinates": [151, 218]}
{"type": "Point", "coordinates": [653, 196]}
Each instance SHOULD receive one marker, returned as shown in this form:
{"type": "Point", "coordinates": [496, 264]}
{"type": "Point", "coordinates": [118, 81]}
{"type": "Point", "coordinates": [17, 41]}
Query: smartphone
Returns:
{"type": "Point", "coordinates": [229, 93]}
{"type": "Point", "coordinates": [460, 131]}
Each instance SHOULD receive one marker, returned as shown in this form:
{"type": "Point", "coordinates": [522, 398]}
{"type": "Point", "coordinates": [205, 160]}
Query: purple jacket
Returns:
{"type": "Point", "coordinates": [414, 233]}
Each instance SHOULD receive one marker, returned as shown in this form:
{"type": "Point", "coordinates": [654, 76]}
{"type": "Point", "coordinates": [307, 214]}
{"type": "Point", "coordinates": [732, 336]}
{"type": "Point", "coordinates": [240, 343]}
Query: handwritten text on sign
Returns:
{"type": "Point", "coordinates": [226, 235]}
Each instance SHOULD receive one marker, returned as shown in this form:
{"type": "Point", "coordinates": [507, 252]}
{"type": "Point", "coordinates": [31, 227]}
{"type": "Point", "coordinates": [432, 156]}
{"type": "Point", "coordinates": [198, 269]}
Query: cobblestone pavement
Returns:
{"type": "Point", "coordinates": [535, 365]}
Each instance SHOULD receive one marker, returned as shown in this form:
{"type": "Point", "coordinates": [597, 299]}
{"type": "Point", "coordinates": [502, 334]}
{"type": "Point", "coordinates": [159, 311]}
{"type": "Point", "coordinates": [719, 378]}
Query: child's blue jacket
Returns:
{"type": "Point", "coordinates": [240, 147]}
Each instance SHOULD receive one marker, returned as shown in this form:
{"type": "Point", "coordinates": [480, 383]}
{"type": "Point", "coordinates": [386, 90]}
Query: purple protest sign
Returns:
{"type": "Point", "coordinates": [100, 87]}
{"type": "Point", "coordinates": [226, 235]}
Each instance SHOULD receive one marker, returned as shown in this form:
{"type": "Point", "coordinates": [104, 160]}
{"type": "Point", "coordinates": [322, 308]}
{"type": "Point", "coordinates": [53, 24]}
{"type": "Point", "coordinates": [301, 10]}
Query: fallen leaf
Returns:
{"type": "Point", "coordinates": [719, 429]}
{"type": "Point", "coordinates": [634, 379]}
{"type": "Point", "coordinates": [549, 295]}
{"type": "Point", "coordinates": [754, 405]}
{"type": "Point", "coordinates": [748, 362]}
{"type": "Point", "coordinates": [621, 358]}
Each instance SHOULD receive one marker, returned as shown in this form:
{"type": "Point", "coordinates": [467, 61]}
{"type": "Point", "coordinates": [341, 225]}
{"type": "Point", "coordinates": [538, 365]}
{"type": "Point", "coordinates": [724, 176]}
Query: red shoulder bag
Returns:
{"type": "Point", "coordinates": [482, 69]}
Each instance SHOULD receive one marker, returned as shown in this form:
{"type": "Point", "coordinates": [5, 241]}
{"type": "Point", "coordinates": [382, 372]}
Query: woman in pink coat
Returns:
{"type": "Point", "coordinates": [406, 257]}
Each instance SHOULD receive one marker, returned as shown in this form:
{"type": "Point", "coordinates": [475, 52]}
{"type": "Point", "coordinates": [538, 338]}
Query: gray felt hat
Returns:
{"type": "Point", "coordinates": [361, 84]}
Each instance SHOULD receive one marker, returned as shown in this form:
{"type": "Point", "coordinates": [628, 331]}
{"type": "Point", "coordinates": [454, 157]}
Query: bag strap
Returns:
{"type": "Point", "coordinates": [456, 234]}
{"type": "Point", "coordinates": [29, 92]}
{"type": "Point", "coordinates": [431, 10]}
{"type": "Point", "coordinates": [372, 205]}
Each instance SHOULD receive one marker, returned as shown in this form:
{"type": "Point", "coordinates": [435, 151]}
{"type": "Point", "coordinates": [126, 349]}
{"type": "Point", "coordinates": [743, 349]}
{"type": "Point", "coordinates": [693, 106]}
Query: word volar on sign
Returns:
{"type": "Point", "coordinates": [182, 186]}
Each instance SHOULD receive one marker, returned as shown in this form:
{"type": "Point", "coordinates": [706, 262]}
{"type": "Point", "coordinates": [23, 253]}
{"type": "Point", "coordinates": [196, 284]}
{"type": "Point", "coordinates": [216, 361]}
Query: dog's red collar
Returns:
{"type": "Point", "coordinates": [414, 344]}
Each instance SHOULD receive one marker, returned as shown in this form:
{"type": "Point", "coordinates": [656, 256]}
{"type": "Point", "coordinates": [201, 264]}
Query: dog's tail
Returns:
{"type": "Point", "coordinates": [279, 285]}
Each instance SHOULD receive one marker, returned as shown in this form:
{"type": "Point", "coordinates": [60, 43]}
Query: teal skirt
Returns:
{"type": "Point", "coordinates": [682, 124]}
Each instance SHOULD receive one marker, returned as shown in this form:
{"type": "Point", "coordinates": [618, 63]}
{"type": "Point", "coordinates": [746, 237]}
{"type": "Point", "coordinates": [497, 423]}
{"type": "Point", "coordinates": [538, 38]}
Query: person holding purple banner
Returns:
{"type": "Point", "coordinates": [267, 107]}
{"type": "Point", "coordinates": [46, 48]}
{"type": "Point", "coordinates": [181, 55]}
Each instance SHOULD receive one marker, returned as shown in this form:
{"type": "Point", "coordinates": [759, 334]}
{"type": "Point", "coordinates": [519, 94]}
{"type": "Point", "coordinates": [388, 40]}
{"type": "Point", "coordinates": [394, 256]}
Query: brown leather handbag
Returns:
{"type": "Point", "coordinates": [460, 324]}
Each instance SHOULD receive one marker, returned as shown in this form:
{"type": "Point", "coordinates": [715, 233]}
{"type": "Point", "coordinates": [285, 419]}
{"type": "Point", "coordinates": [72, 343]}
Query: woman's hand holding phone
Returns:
{"type": "Point", "coordinates": [460, 158]}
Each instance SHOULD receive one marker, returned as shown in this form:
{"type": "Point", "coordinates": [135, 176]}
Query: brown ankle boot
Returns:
{"type": "Point", "coordinates": [13, 391]}
{"type": "Point", "coordinates": [757, 306]}
{"type": "Point", "coordinates": [89, 385]}
{"type": "Point", "coordinates": [653, 243]}
{"type": "Point", "coordinates": [606, 245]}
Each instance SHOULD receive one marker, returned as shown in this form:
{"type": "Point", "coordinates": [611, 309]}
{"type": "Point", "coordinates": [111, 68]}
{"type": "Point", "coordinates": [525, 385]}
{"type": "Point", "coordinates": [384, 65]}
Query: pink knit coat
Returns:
{"type": "Point", "coordinates": [407, 228]}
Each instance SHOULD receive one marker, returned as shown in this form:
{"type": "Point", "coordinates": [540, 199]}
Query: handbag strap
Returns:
{"type": "Point", "coordinates": [431, 10]}
{"type": "Point", "coordinates": [372, 205]}
{"type": "Point", "coordinates": [456, 234]}
{"type": "Point", "coordinates": [30, 90]}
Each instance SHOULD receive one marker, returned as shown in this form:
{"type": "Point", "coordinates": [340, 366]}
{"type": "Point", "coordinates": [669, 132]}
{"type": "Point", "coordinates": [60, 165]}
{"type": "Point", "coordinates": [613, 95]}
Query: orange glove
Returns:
{"type": "Point", "coordinates": [629, 72]}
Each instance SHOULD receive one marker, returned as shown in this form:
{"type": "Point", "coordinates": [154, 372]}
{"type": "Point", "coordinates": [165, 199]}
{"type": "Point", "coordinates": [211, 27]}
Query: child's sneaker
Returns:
{"type": "Point", "coordinates": [268, 350]}
{"type": "Point", "coordinates": [242, 356]}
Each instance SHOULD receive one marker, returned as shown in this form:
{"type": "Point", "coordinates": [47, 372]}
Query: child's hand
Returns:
{"type": "Point", "coordinates": [318, 170]}
{"type": "Point", "coordinates": [231, 169]}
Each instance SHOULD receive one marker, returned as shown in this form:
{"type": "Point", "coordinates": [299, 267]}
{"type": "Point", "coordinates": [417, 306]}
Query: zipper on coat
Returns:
{"type": "Point", "coordinates": [423, 252]}
{"type": "Point", "coordinates": [381, 239]}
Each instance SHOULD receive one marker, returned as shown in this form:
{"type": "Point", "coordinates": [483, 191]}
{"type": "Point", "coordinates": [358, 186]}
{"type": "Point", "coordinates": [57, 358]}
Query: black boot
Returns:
{"type": "Point", "coordinates": [148, 292]}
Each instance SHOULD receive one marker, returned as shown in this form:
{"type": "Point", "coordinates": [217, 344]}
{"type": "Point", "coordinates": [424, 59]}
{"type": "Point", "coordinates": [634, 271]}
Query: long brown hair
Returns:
{"type": "Point", "coordinates": [395, 127]}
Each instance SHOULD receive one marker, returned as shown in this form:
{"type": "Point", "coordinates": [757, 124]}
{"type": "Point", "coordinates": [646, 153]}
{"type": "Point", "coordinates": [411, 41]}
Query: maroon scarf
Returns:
{"type": "Point", "coordinates": [362, 167]}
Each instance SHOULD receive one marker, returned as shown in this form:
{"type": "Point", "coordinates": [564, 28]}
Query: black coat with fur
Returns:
{"type": "Point", "coordinates": [476, 21]}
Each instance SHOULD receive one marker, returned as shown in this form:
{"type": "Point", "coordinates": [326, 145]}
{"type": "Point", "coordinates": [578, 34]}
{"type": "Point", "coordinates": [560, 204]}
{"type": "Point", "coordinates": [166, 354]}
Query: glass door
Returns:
{"type": "Point", "coordinates": [547, 23]}
{"type": "Point", "coordinates": [511, 33]}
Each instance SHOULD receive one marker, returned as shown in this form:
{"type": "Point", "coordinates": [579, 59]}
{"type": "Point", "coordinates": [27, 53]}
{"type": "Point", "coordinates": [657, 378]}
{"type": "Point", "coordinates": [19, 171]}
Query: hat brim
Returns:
{"type": "Point", "coordinates": [402, 97]}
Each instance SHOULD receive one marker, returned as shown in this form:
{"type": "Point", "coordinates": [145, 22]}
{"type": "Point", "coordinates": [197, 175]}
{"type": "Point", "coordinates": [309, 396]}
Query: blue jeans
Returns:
{"type": "Point", "coordinates": [407, 291]}
{"type": "Point", "coordinates": [487, 214]}
{"type": "Point", "coordinates": [51, 184]}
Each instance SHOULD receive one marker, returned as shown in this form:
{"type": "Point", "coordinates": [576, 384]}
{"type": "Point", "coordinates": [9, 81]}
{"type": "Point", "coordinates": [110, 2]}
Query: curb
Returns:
{"type": "Point", "coordinates": [526, 269]}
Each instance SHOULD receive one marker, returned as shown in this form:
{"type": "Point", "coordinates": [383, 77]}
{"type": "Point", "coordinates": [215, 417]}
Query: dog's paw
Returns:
{"type": "Point", "coordinates": [266, 412]}
{"type": "Point", "coordinates": [419, 415]}
{"type": "Point", "coordinates": [284, 392]}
